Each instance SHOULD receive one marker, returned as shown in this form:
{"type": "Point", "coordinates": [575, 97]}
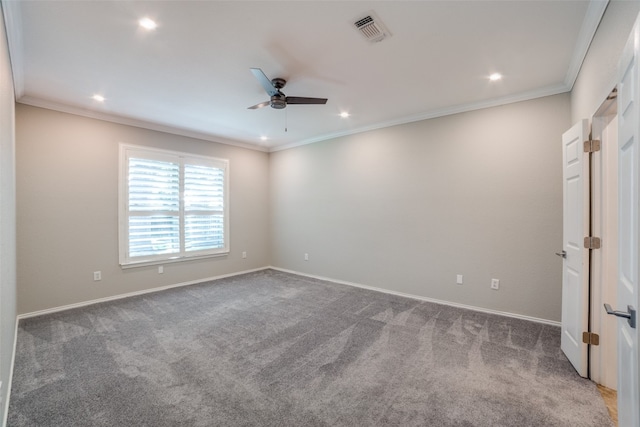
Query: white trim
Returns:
{"type": "Point", "coordinates": [181, 159]}
{"type": "Point", "coordinates": [194, 282]}
{"type": "Point", "coordinates": [511, 99]}
{"type": "Point", "coordinates": [133, 294]}
{"type": "Point", "coordinates": [590, 24]}
{"type": "Point", "coordinates": [10, 381]}
{"type": "Point", "coordinates": [604, 262]}
{"type": "Point", "coordinates": [13, 28]}
{"type": "Point", "coordinates": [421, 298]}
{"type": "Point", "coordinates": [328, 279]}
{"type": "Point", "coordinates": [98, 115]}
{"type": "Point", "coordinates": [164, 261]}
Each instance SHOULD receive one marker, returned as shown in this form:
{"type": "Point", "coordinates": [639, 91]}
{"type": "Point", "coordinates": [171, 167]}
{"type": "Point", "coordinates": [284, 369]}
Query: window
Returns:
{"type": "Point", "coordinates": [173, 206]}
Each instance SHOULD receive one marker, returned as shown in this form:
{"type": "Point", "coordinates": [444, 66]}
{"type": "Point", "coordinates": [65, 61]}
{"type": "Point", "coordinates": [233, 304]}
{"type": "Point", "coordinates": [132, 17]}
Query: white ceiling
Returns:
{"type": "Point", "coordinates": [191, 75]}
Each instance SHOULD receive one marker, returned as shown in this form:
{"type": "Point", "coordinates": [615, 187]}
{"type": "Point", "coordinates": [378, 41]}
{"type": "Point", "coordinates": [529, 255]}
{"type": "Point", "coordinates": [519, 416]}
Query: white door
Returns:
{"type": "Point", "coordinates": [628, 231]}
{"type": "Point", "coordinates": [575, 265]}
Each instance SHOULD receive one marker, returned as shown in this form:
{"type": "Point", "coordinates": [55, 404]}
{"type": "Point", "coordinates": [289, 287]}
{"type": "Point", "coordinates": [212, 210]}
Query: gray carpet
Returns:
{"type": "Point", "coordinates": [275, 349]}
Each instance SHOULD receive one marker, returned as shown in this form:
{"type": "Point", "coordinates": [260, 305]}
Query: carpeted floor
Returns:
{"type": "Point", "coordinates": [275, 349]}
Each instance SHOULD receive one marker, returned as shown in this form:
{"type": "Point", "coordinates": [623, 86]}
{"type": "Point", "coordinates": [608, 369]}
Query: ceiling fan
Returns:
{"type": "Point", "coordinates": [278, 99]}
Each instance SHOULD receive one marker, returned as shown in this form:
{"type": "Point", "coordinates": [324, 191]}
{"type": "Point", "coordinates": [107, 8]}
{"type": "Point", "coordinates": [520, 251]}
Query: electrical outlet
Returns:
{"type": "Point", "coordinates": [306, 257]}
{"type": "Point", "coordinates": [160, 269]}
{"type": "Point", "coordinates": [459, 279]}
{"type": "Point", "coordinates": [244, 254]}
{"type": "Point", "coordinates": [495, 284]}
{"type": "Point", "coordinates": [97, 275]}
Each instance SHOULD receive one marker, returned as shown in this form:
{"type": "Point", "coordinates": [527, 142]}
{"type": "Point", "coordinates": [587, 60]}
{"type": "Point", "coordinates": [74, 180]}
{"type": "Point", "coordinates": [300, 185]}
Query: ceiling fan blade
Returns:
{"type": "Point", "coordinates": [264, 81]}
{"type": "Point", "coordinates": [303, 100]}
{"type": "Point", "coordinates": [262, 104]}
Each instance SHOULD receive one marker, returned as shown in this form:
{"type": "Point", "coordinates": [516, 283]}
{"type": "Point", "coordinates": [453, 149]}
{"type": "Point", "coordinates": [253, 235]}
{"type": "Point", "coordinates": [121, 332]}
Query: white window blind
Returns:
{"type": "Point", "coordinates": [173, 206]}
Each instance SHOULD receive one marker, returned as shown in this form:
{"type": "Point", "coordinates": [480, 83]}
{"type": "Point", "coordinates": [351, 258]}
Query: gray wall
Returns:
{"type": "Point", "coordinates": [67, 204]}
{"type": "Point", "coordinates": [598, 73]}
{"type": "Point", "coordinates": [407, 208]}
{"type": "Point", "coordinates": [7, 219]}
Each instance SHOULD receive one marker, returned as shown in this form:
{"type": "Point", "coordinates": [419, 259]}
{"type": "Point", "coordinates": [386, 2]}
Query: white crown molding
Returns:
{"type": "Point", "coordinates": [52, 105]}
{"type": "Point", "coordinates": [590, 24]}
{"type": "Point", "coordinates": [11, 10]}
{"type": "Point", "coordinates": [13, 27]}
{"type": "Point", "coordinates": [525, 96]}
{"type": "Point", "coordinates": [421, 298]}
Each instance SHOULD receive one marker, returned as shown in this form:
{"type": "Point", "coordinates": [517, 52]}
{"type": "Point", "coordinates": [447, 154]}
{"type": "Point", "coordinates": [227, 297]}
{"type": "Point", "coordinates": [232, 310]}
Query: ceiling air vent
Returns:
{"type": "Point", "coordinates": [371, 28]}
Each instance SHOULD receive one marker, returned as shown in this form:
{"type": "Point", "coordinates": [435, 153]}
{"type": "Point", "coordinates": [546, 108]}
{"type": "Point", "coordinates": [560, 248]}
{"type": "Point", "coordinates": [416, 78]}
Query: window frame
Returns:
{"type": "Point", "coordinates": [182, 158]}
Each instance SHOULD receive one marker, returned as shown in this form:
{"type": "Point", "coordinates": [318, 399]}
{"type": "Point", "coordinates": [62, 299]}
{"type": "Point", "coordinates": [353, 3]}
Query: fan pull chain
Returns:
{"type": "Point", "coordinates": [285, 119]}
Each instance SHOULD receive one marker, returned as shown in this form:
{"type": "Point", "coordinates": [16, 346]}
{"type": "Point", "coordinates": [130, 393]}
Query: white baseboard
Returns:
{"type": "Point", "coordinates": [329, 279]}
{"type": "Point", "coordinates": [131, 294]}
{"type": "Point", "coordinates": [421, 298]}
{"type": "Point", "coordinates": [10, 380]}
{"type": "Point", "coordinates": [207, 279]}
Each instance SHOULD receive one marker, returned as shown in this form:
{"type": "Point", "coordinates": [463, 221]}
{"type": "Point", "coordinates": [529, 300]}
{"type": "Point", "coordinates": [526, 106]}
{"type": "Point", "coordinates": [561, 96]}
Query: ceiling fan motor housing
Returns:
{"type": "Point", "coordinates": [278, 101]}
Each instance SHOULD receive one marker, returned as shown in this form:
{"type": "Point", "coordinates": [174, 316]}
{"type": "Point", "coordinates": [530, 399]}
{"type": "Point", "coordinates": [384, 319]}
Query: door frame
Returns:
{"type": "Point", "coordinates": [604, 261]}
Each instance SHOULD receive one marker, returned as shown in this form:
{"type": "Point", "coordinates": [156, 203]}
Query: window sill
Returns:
{"type": "Point", "coordinates": [171, 260]}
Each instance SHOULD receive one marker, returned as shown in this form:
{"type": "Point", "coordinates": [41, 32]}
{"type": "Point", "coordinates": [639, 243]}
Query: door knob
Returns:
{"type": "Point", "coordinates": [562, 254]}
{"type": "Point", "coordinates": [630, 314]}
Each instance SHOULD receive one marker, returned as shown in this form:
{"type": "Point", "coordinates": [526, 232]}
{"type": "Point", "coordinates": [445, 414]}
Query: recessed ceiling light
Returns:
{"type": "Point", "coordinates": [495, 77]}
{"type": "Point", "coordinates": [263, 138]}
{"type": "Point", "coordinates": [344, 114]}
{"type": "Point", "coordinates": [98, 98]}
{"type": "Point", "coordinates": [147, 24]}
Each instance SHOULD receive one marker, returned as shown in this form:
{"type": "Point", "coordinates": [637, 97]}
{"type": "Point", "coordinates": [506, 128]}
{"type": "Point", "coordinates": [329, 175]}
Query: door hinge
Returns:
{"type": "Point", "coordinates": [592, 242]}
{"type": "Point", "coordinates": [590, 338]}
{"type": "Point", "coordinates": [591, 146]}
